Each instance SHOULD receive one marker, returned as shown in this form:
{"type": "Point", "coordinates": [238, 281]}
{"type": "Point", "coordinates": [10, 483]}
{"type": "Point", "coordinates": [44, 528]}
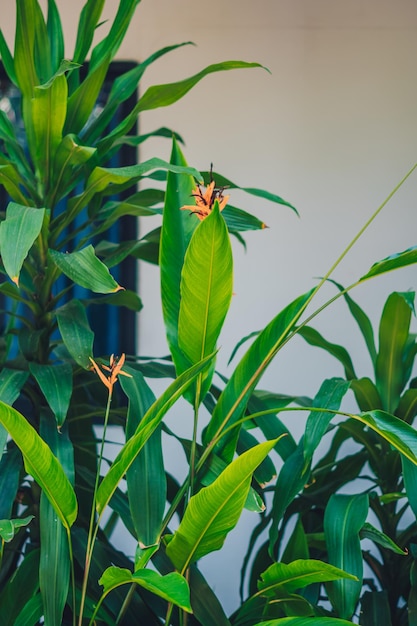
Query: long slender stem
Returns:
{"type": "Point", "coordinates": [93, 528]}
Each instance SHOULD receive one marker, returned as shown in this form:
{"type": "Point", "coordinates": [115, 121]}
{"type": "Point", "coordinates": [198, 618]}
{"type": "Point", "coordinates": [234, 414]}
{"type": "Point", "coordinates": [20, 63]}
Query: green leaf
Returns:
{"type": "Point", "coordinates": [13, 183]}
{"type": "Point", "coordinates": [87, 25]}
{"type": "Point", "coordinates": [69, 154]}
{"type": "Point", "coordinates": [85, 269]}
{"type": "Point", "coordinates": [55, 561]}
{"type": "Point", "coordinates": [366, 394]}
{"type": "Point", "coordinates": [393, 262]}
{"type": "Point", "coordinates": [11, 383]}
{"type": "Point", "coordinates": [235, 396]}
{"type": "Point", "coordinates": [8, 527]}
{"type": "Point", "coordinates": [305, 621]}
{"type": "Point", "coordinates": [343, 520]}
{"type": "Point", "coordinates": [215, 510]}
{"type": "Point", "coordinates": [399, 434]}
{"type": "Point", "coordinates": [241, 221]}
{"type": "Point", "coordinates": [297, 575]}
{"type": "Point", "coordinates": [31, 613]}
{"type": "Point", "coordinates": [330, 396]}
{"type": "Point", "coordinates": [221, 181]}
{"type": "Point", "coordinates": [7, 59]}
{"type": "Point", "coordinates": [176, 233]}
{"type": "Point", "coordinates": [55, 382]}
{"type": "Point", "coordinates": [18, 233]}
{"type": "Point", "coordinates": [146, 479]}
{"type": "Point", "coordinates": [314, 338]}
{"type": "Point", "coordinates": [41, 464]}
{"type": "Point", "coordinates": [126, 298]}
{"type": "Point", "coordinates": [82, 101]}
{"type": "Point", "coordinates": [76, 332]}
{"type": "Point", "coordinates": [24, 57]}
{"type": "Point", "coordinates": [171, 587]}
{"type": "Point", "coordinates": [370, 532]}
{"type": "Point", "coordinates": [55, 35]}
{"type": "Point", "coordinates": [393, 335]}
{"type": "Point", "coordinates": [375, 609]}
{"type": "Point", "coordinates": [20, 588]}
{"type": "Point", "coordinates": [49, 109]}
{"type": "Point", "coordinates": [147, 426]}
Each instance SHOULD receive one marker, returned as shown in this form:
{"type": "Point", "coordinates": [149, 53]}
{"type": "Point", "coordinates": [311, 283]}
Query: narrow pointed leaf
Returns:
{"type": "Point", "coordinates": [370, 532]}
{"type": "Point", "coordinates": [305, 621]}
{"type": "Point", "coordinates": [343, 520]}
{"type": "Point", "coordinates": [147, 426]}
{"type": "Point", "coordinates": [24, 59]}
{"type": "Point", "coordinates": [314, 338]}
{"type": "Point", "coordinates": [55, 382]}
{"type": "Point", "coordinates": [235, 396]}
{"type": "Point", "coordinates": [76, 332]}
{"type": "Point", "coordinates": [393, 336]}
{"type": "Point", "coordinates": [82, 101]}
{"type": "Point", "coordinates": [393, 262]}
{"type": "Point", "coordinates": [7, 59]}
{"type": "Point", "coordinates": [17, 235]}
{"type": "Point", "coordinates": [55, 35]}
{"type": "Point", "coordinates": [85, 269]}
{"type": "Point", "coordinates": [176, 232]}
{"type": "Point", "coordinates": [171, 587]}
{"type": "Point", "coordinates": [146, 479]}
{"type": "Point", "coordinates": [215, 510]}
{"type": "Point", "coordinates": [41, 464]}
{"type": "Point", "coordinates": [87, 25]}
{"type": "Point", "coordinates": [366, 394]}
{"type": "Point", "coordinates": [238, 220]}
{"type": "Point", "coordinates": [221, 181]}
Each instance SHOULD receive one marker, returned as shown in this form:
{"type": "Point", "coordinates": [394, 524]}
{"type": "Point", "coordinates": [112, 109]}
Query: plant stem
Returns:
{"type": "Point", "coordinates": [92, 531]}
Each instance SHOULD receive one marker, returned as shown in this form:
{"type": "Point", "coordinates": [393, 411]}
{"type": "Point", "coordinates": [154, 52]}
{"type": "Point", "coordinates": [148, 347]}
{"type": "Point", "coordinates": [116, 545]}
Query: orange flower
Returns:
{"type": "Point", "coordinates": [204, 201]}
{"type": "Point", "coordinates": [115, 368]}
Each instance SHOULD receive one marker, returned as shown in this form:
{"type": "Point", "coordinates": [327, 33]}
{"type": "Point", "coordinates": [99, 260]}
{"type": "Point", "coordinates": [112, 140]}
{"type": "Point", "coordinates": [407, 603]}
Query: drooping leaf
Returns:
{"type": "Point", "coordinates": [8, 527]}
{"type": "Point", "coordinates": [171, 587]}
{"type": "Point", "coordinates": [370, 532]}
{"type": "Point", "coordinates": [343, 520]}
{"type": "Point", "coordinates": [314, 338]}
{"type": "Point", "coordinates": [85, 269]}
{"type": "Point", "coordinates": [76, 332]}
{"type": "Point", "coordinates": [41, 464]}
{"type": "Point", "coordinates": [17, 235]}
{"type": "Point", "coordinates": [55, 382]}
{"type": "Point", "coordinates": [215, 510]}
{"type": "Point", "coordinates": [146, 428]}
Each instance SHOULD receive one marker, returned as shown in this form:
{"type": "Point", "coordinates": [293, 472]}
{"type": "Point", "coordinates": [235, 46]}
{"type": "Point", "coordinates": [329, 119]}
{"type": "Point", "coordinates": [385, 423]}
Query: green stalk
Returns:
{"type": "Point", "coordinates": [93, 528]}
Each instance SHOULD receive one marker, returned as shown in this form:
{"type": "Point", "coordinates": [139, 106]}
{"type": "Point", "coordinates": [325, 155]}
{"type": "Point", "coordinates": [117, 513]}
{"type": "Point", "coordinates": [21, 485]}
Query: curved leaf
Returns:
{"type": "Point", "coordinates": [171, 587]}
{"type": "Point", "coordinates": [41, 464]}
{"type": "Point", "coordinates": [398, 433]}
{"type": "Point", "coordinates": [393, 262]}
{"type": "Point", "coordinates": [85, 269]}
{"type": "Point", "coordinates": [76, 332]}
{"type": "Point", "coordinates": [314, 338]}
{"type": "Point", "coordinates": [305, 621]}
{"type": "Point", "coordinates": [8, 527]}
{"type": "Point", "coordinates": [215, 510]}
{"type": "Point", "coordinates": [17, 235]}
{"type": "Point", "coordinates": [55, 382]}
{"type": "Point", "coordinates": [343, 520]}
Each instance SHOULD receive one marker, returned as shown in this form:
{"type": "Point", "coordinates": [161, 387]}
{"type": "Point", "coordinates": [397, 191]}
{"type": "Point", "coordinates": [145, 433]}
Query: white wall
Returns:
{"type": "Point", "coordinates": [332, 129]}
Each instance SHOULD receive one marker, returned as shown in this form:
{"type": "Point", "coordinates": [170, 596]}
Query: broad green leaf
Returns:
{"type": "Point", "coordinates": [176, 232]}
{"type": "Point", "coordinates": [18, 233]}
{"type": "Point", "coordinates": [314, 338]}
{"type": "Point", "coordinates": [55, 382]}
{"type": "Point", "coordinates": [215, 510]}
{"type": "Point", "coordinates": [49, 108]}
{"type": "Point", "coordinates": [41, 464]}
{"type": "Point", "coordinates": [235, 396]}
{"type": "Point", "coordinates": [55, 35]}
{"type": "Point", "coordinates": [221, 181]}
{"type": "Point", "coordinates": [375, 609]}
{"type": "Point", "coordinates": [330, 396]}
{"type": "Point", "coordinates": [146, 428]}
{"type": "Point", "coordinates": [164, 95]}
{"type": "Point", "coordinates": [206, 287]}
{"type": "Point", "coordinates": [24, 58]}
{"type": "Point", "coordinates": [76, 332]}
{"type": "Point", "coordinates": [31, 613]}
{"type": "Point", "coordinates": [343, 520]}
{"type": "Point", "coordinates": [85, 269]}
{"type": "Point", "coordinates": [393, 334]}
{"type": "Point", "coordinates": [297, 575]}
{"type": "Point", "coordinates": [370, 532]}
{"type": "Point", "coordinates": [55, 562]}
{"type": "Point", "coordinates": [146, 479]}
{"type": "Point", "coordinates": [172, 587]}
{"type": "Point", "coordinates": [8, 527]}
{"type": "Point", "coordinates": [393, 262]}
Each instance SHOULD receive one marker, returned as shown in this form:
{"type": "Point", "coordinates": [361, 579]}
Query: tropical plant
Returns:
{"type": "Point", "coordinates": [58, 561]}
